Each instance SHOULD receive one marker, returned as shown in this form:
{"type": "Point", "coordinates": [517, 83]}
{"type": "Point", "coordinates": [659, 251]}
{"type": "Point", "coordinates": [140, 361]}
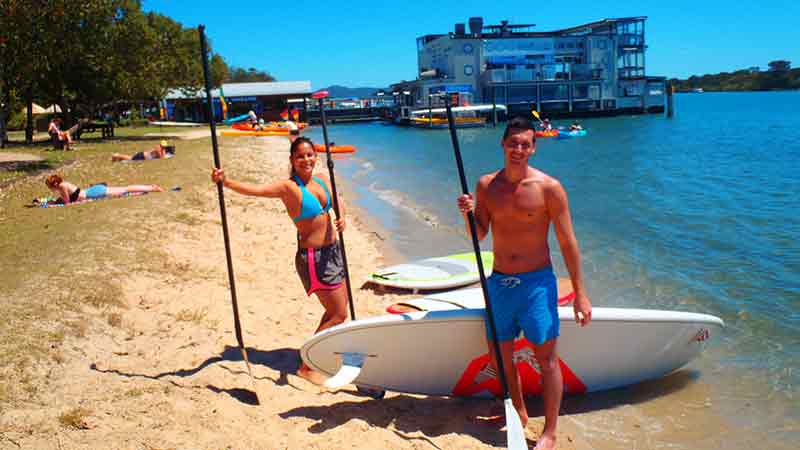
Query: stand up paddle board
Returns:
{"type": "Point", "coordinates": [446, 300]}
{"type": "Point", "coordinates": [444, 352]}
{"type": "Point", "coordinates": [444, 272]}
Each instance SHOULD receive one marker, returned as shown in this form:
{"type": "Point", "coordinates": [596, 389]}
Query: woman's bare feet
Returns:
{"type": "Point", "coordinates": [311, 375]}
{"type": "Point", "coordinates": [545, 442]}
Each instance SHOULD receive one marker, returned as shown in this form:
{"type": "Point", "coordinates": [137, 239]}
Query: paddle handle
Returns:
{"type": "Point", "coordinates": [220, 190]}
{"type": "Point", "coordinates": [336, 206]}
{"type": "Point", "coordinates": [476, 247]}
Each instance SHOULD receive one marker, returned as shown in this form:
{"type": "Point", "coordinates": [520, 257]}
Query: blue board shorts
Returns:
{"type": "Point", "coordinates": [96, 192]}
{"type": "Point", "coordinates": [524, 301]}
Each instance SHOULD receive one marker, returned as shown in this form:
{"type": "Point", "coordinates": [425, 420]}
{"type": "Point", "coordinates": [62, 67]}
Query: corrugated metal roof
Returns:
{"type": "Point", "coordinates": [250, 89]}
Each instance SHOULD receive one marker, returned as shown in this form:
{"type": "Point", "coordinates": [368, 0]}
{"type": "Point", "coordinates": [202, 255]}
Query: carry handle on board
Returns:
{"type": "Point", "coordinates": [320, 96]}
{"type": "Point", "coordinates": [514, 431]}
{"type": "Point", "coordinates": [221, 195]}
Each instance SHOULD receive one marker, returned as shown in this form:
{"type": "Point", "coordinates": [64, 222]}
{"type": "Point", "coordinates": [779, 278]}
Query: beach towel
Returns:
{"type": "Point", "coordinates": [52, 202]}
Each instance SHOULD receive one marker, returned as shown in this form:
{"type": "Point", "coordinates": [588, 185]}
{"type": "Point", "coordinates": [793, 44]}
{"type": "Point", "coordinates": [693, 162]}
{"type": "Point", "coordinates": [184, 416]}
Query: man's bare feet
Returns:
{"type": "Point", "coordinates": [310, 375]}
{"type": "Point", "coordinates": [157, 188]}
{"type": "Point", "coordinates": [546, 442]}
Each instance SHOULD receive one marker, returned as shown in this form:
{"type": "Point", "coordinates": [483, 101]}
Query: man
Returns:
{"type": "Point", "coordinates": [518, 204]}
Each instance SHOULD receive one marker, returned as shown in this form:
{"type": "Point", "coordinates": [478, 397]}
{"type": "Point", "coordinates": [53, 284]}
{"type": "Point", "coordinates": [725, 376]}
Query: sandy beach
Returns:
{"type": "Point", "coordinates": [157, 365]}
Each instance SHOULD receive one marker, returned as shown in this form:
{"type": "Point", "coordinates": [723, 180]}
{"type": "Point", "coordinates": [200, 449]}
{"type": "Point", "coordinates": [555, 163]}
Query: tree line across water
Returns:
{"type": "Point", "coordinates": [779, 76]}
{"type": "Point", "coordinates": [89, 55]}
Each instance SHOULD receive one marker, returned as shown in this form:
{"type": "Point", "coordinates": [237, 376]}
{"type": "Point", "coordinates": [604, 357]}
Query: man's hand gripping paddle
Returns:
{"type": "Point", "coordinates": [231, 279]}
{"type": "Point", "coordinates": [514, 432]}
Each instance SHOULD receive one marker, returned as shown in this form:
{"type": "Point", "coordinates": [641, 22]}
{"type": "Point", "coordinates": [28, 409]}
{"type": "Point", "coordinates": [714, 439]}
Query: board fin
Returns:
{"type": "Point", "coordinates": [350, 370]}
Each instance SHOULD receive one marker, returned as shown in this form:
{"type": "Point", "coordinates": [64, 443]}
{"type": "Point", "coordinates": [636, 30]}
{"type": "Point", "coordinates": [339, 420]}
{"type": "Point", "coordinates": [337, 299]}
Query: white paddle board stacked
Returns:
{"type": "Point", "coordinates": [443, 351]}
{"type": "Point", "coordinates": [446, 272]}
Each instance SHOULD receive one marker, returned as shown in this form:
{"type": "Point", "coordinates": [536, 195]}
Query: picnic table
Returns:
{"type": "Point", "coordinates": [106, 129]}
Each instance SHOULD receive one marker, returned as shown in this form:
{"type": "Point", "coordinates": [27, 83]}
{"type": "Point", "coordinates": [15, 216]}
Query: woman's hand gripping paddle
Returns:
{"type": "Point", "coordinates": [231, 279]}
{"type": "Point", "coordinates": [514, 432]}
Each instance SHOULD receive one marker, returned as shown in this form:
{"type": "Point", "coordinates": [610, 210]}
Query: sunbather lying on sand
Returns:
{"type": "Point", "coordinates": [159, 152]}
{"type": "Point", "coordinates": [69, 193]}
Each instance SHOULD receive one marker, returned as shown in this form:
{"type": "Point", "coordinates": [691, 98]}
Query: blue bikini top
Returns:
{"type": "Point", "coordinates": [309, 205]}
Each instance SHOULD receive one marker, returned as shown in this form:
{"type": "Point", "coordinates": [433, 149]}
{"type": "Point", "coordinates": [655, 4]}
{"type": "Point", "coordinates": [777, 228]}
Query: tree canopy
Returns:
{"type": "Point", "coordinates": [87, 54]}
{"type": "Point", "coordinates": [240, 75]}
{"type": "Point", "coordinates": [779, 76]}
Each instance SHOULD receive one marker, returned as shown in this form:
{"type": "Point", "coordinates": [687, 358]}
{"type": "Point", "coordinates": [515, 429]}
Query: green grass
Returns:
{"type": "Point", "coordinates": [62, 269]}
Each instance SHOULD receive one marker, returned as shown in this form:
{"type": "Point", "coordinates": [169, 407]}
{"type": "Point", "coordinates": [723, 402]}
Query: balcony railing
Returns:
{"type": "Point", "coordinates": [558, 72]}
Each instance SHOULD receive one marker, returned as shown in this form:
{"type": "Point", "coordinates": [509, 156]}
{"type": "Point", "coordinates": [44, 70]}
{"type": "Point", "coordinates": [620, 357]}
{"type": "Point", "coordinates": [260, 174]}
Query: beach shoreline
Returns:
{"type": "Point", "coordinates": [148, 357]}
{"type": "Point", "coordinates": [159, 368]}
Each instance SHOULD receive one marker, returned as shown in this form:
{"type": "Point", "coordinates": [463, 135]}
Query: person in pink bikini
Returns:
{"type": "Point", "coordinates": [318, 259]}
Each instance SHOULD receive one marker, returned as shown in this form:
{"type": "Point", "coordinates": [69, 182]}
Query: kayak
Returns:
{"type": "Point", "coordinates": [249, 127]}
{"type": "Point", "coordinates": [571, 134]}
{"type": "Point", "coordinates": [544, 134]}
{"type": "Point", "coordinates": [236, 119]}
{"type": "Point", "coordinates": [320, 148]}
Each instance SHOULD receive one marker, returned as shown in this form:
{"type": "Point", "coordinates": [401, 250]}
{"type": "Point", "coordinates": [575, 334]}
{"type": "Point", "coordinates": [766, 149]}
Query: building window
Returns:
{"type": "Point", "coordinates": [522, 94]}
{"type": "Point", "coordinates": [467, 48]}
{"type": "Point", "coordinates": [555, 92]}
{"type": "Point", "coordinates": [468, 70]}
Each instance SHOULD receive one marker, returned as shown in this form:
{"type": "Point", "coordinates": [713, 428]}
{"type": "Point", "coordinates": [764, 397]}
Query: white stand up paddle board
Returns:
{"type": "Point", "coordinates": [445, 272]}
{"type": "Point", "coordinates": [444, 352]}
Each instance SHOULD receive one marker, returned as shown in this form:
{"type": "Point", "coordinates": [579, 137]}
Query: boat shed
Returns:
{"type": "Point", "coordinates": [267, 99]}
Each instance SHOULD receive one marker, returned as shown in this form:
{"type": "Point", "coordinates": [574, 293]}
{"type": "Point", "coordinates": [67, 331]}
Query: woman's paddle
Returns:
{"type": "Point", "coordinates": [231, 279]}
{"type": "Point", "coordinates": [515, 433]}
{"type": "Point", "coordinates": [320, 96]}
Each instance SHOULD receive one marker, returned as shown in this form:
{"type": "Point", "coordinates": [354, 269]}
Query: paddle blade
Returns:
{"type": "Point", "coordinates": [514, 431]}
{"type": "Point", "coordinates": [535, 114]}
{"type": "Point", "coordinates": [319, 94]}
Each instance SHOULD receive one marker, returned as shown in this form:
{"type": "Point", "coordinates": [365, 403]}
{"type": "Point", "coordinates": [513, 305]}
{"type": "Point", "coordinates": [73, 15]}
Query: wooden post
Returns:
{"type": "Point", "coordinates": [29, 125]}
{"type": "Point", "coordinates": [494, 106]}
{"type": "Point", "coordinates": [670, 105]}
{"type": "Point", "coordinates": [430, 111]}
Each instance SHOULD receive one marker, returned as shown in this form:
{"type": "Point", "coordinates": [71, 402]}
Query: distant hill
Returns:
{"type": "Point", "coordinates": [337, 91]}
{"type": "Point", "coordinates": [780, 75]}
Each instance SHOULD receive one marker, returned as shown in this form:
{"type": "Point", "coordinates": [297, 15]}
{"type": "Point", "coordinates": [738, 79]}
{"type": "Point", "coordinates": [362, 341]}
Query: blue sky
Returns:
{"type": "Point", "coordinates": [372, 43]}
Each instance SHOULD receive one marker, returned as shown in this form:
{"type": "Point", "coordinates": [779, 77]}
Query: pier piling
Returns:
{"type": "Point", "coordinates": [670, 104]}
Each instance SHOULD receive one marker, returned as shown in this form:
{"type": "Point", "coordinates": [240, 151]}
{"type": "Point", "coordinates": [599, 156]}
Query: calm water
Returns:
{"type": "Point", "coordinates": [695, 213]}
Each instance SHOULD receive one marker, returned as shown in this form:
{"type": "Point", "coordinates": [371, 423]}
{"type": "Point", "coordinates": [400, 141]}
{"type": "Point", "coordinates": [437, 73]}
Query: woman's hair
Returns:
{"type": "Point", "coordinates": [295, 147]}
{"type": "Point", "coordinates": [53, 180]}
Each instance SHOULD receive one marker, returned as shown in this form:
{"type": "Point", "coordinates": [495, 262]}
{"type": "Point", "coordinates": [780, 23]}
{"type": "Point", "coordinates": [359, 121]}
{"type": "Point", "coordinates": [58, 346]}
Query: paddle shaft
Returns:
{"type": "Point", "coordinates": [220, 190]}
{"type": "Point", "coordinates": [336, 206]}
{"type": "Point", "coordinates": [476, 247]}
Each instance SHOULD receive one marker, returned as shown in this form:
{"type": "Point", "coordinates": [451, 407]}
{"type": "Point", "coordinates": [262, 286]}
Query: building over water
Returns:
{"type": "Point", "coordinates": [592, 69]}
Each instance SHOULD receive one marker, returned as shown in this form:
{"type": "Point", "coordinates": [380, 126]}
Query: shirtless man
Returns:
{"type": "Point", "coordinates": [518, 204]}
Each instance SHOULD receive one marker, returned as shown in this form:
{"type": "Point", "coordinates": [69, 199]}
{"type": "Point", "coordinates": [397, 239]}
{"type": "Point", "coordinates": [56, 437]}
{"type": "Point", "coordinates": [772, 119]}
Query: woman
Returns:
{"type": "Point", "coordinates": [319, 257]}
{"type": "Point", "coordinates": [160, 151]}
{"type": "Point", "coordinates": [69, 193]}
{"type": "Point", "coordinates": [62, 139]}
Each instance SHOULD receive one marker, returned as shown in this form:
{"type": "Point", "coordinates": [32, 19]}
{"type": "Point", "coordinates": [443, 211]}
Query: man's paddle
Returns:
{"type": "Point", "coordinates": [320, 96]}
{"type": "Point", "coordinates": [536, 114]}
{"type": "Point", "coordinates": [514, 431]}
{"type": "Point", "coordinates": [231, 279]}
